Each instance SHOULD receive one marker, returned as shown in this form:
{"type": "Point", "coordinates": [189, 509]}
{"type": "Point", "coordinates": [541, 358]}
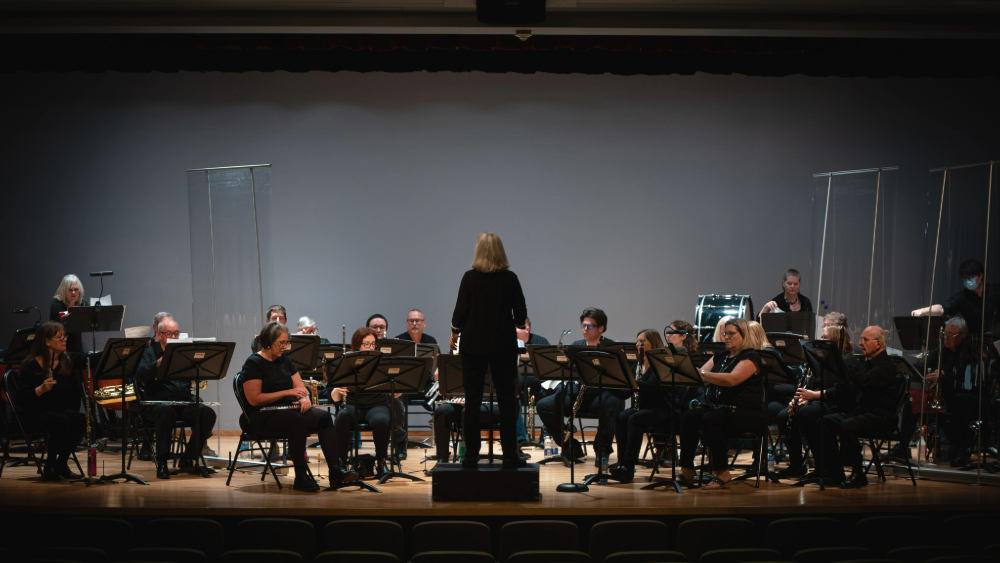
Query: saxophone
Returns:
{"type": "Point", "coordinates": [576, 409]}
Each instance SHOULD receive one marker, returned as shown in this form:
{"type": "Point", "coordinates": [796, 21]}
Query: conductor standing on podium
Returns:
{"type": "Point", "coordinates": [490, 307]}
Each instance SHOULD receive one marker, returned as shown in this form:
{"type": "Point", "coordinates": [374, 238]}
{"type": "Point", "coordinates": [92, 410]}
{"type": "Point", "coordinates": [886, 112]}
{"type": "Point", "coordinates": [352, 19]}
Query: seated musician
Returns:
{"type": "Point", "coordinates": [163, 417]}
{"type": "Point", "coordinates": [415, 324]}
{"type": "Point", "coordinates": [378, 323]}
{"type": "Point", "coordinates": [958, 381]}
{"type": "Point", "coordinates": [270, 379]}
{"type": "Point", "coordinates": [683, 396]}
{"type": "Point", "coordinates": [867, 403]}
{"type": "Point", "coordinates": [789, 300]}
{"type": "Point", "coordinates": [275, 313]}
{"type": "Point", "coordinates": [50, 402]}
{"type": "Point", "coordinates": [969, 302]}
{"type": "Point", "coordinates": [834, 318]}
{"type": "Point", "coordinates": [373, 407]}
{"type": "Point", "coordinates": [307, 325]}
{"type": "Point", "coordinates": [448, 412]}
{"type": "Point", "coordinates": [594, 322]}
{"type": "Point", "coordinates": [719, 326]}
{"type": "Point", "coordinates": [651, 410]}
{"type": "Point", "coordinates": [805, 412]}
{"type": "Point", "coordinates": [734, 405]}
{"type": "Point", "coordinates": [68, 294]}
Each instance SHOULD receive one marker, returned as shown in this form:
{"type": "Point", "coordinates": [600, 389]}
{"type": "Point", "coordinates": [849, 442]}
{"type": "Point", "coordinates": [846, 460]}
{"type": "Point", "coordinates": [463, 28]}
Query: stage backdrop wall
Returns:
{"type": "Point", "coordinates": [633, 194]}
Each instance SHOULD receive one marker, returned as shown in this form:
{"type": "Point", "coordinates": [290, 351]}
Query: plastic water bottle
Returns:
{"type": "Point", "coordinates": [770, 461]}
{"type": "Point", "coordinates": [550, 447]}
{"type": "Point", "coordinates": [604, 470]}
{"type": "Point", "coordinates": [461, 451]}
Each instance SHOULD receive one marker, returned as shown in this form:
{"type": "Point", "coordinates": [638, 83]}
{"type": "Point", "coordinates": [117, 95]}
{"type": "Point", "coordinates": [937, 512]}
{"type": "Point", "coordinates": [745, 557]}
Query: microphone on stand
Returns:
{"type": "Point", "coordinates": [38, 323]}
{"type": "Point", "coordinates": [102, 273]}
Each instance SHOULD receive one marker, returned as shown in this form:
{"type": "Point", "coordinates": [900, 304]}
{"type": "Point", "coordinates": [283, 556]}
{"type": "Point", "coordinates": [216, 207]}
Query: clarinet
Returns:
{"type": "Point", "coordinates": [91, 450]}
{"type": "Point", "coordinates": [802, 382]}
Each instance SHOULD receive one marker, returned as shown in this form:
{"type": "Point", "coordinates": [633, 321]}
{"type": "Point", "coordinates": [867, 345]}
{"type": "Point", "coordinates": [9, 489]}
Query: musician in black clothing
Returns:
{"type": "Point", "coordinates": [653, 410]}
{"type": "Point", "coordinates": [50, 403]}
{"type": "Point", "coordinates": [276, 314]}
{"type": "Point", "coordinates": [735, 404]}
{"type": "Point", "coordinates": [789, 300]}
{"type": "Point", "coordinates": [373, 407]}
{"type": "Point", "coordinates": [68, 294]}
{"type": "Point", "coordinates": [379, 324]}
{"type": "Point", "coordinates": [270, 380]}
{"type": "Point", "coordinates": [970, 302]}
{"type": "Point", "coordinates": [446, 413]}
{"type": "Point", "coordinates": [164, 417]}
{"type": "Point", "coordinates": [867, 404]}
{"type": "Point", "coordinates": [593, 322]}
{"type": "Point", "coordinates": [489, 309]}
{"type": "Point", "coordinates": [415, 323]}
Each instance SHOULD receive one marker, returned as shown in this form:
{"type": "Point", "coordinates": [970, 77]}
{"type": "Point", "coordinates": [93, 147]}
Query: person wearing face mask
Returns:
{"type": "Point", "coordinates": [971, 301]}
{"type": "Point", "coordinates": [653, 410]}
{"type": "Point", "coordinates": [68, 294]}
{"type": "Point", "coordinates": [789, 300]}
{"type": "Point", "coordinates": [867, 404]}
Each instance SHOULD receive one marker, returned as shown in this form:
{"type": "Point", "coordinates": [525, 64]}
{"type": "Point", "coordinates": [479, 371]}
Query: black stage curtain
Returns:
{"type": "Point", "coordinates": [623, 55]}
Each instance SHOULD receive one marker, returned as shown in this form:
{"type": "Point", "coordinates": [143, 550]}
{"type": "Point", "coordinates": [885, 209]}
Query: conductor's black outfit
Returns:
{"type": "Point", "coordinates": [164, 417]}
{"type": "Point", "coordinates": [56, 412]}
{"type": "Point", "coordinates": [488, 309]}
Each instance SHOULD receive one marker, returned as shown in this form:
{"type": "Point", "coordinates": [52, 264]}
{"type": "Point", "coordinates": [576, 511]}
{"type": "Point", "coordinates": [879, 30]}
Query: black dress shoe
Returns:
{"type": "Point", "coordinates": [66, 473]}
{"type": "Point", "coordinates": [50, 474]}
{"type": "Point", "coordinates": [145, 453]}
{"type": "Point", "coordinates": [470, 462]}
{"type": "Point", "coordinates": [306, 483]}
{"type": "Point", "coordinates": [962, 458]}
{"type": "Point", "coordinates": [855, 481]}
{"type": "Point", "coordinates": [792, 471]}
{"type": "Point", "coordinates": [522, 455]}
{"type": "Point", "coordinates": [623, 474]}
{"type": "Point", "coordinates": [513, 463]}
{"type": "Point", "coordinates": [380, 467]}
{"type": "Point", "coordinates": [163, 470]}
{"type": "Point", "coordinates": [340, 475]}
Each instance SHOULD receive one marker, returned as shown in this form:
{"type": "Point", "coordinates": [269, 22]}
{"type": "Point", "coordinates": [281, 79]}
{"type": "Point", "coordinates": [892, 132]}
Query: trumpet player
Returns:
{"type": "Point", "coordinates": [164, 417]}
{"type": "Point", "coordinates": [48, 399]}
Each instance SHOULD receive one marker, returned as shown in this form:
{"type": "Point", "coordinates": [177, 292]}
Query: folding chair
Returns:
{"type": "Point", "coordinates": [250, 435]}
{"type": "Point", "coordinates": [891, 433]}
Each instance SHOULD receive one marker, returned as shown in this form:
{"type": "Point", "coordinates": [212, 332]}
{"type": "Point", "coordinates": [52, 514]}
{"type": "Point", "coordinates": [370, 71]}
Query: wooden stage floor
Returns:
{"type": "Point", "coordinates": [21, 491]}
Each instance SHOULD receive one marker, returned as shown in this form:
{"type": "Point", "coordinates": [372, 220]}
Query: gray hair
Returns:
{"type": "Point", "coordinates": [958, 322]}
{"type": "Point", "coordinates": [159, 317]}
{"type": "Point", "coordinates": [64, 287]}
{"type": "Point", "coordinates": [880, 336]}
{"type": "Point", "coordinates": [159, 323]}
{"type": "Point", "coordinates": [304, 322]}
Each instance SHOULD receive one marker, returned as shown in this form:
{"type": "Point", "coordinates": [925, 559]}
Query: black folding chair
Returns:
{"type": "Point", "coordinates": [890, 433]}
{"type": "Point", "coordinates": [10, 387]}
{"type": "Point", "coordinates": [250, 435]}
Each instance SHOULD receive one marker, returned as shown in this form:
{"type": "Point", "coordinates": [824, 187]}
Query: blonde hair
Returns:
{"type": "Point", "coordinates": [743, 327]}
{"type": "Point", "coordinates": [64, 287]}
{"type": "Point", "coordinates": [718, 328]}
{"type": "Point", "coordinates": [490, 256]}
{"type": "Point", "coordinates": [758, 336]}
{"type": "Point", "coordinates": [833, 334]}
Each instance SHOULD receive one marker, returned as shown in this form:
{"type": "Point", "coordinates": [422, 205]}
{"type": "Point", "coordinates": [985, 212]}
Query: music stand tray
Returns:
{"type": "Point", "coordinates": [605, 369]}
{"type": "Point", "coordinates": [801, 323]}
{"type": "Point", "coordinates": [399, 375]}
{"type": "Point", "coordinates": [19, 346]}
{"type": "Point", "coordinates": [674, 369]}
{"type": "Point", "coordinates": [790, 346]}
{"type": "Point", "coordinates": [196, 362]}
{"type": "Point", "coordinates": [120, 360]}
{"type": "Point", "coordinates": [912, 331]}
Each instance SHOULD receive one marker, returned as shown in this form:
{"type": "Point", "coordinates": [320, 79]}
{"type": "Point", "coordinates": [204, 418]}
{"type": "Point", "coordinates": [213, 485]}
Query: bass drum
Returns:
{"type": "Point", "coordinates": [711, 309]}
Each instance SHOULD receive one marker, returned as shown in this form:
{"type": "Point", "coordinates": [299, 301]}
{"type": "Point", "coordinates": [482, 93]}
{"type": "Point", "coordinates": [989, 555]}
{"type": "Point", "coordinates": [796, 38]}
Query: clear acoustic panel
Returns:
{"type": "Point", "coordinates": [227, 207]}
{"type": "Point", "coordinates": [853, 258]}
{"type": "Point", "coordinates": [964, 226]}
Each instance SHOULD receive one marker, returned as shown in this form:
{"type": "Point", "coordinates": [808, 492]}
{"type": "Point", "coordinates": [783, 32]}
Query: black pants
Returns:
{"type": "Point", "coordinates": [716, 427]}
{"type": "Point", "coordinates": [296, 428]}
{"type": "Point", "coordinates": [503, 369]}
{"type": "Point", "coordinates": [963, 408]}
{"type": "Point", "coordinates": [163, 418]}
{"type": "Point", "coordinates": [830, 457]}
{"type": "Point", "coordinates": [65, 430]}
{"type": "Point", "coordinates": [446, 414]}
{"type": "Point", "coordinates": [631, 428]}
{"type": "Point", "coordinates": [377, 417]}
{"type": "Point", "coordinates": [548, 411]}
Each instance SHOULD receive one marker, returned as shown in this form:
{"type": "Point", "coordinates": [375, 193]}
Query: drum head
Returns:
{"type": "Point", "coordinates": [712, 308]}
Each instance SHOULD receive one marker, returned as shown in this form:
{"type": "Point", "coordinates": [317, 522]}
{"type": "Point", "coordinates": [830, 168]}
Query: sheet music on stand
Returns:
{"type": "Point", "coordinates": [801, 323]}
{"type": "Point", "coordinates": [790, 346]}
{"type": "Point", "coordinates": [19, 346]}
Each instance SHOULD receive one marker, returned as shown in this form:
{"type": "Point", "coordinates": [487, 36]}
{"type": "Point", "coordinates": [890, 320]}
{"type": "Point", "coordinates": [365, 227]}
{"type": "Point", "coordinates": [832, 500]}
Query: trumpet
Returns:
{"type": "Point", "coordinates": [111, 394]}
{"type": "Point", "coordinates": [202, 385]}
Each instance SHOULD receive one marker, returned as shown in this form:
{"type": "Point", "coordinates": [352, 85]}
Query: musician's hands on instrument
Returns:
{"type": "Point", "coordinates": [297, 392]}
{"type": "Point", "coordinates": [803, 396]}
{"type": "Point", "coordinates": [932, 376]}
{"type": "Point", "coordinates": [337, 395]}
{"type": "Point", "coordinates": [453, 342]}
{"type": "Point", "coordinates": [45, 387]}
{"type": "Point", "coordinates": [305, 404]}
{"type": "Point", "coordinates": [769, 306]}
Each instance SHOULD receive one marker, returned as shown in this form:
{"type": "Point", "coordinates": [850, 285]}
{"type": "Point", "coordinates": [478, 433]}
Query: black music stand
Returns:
{"type": "Point", "coordinates": [711, 347]}
{"type": "Point", "coordinates": [195, 362]}
{"type": "Point", "coordinates": [631, 352]}
{"type": "Point", "coordinates": [775, 371]}
{"type": "Point", "coordinates": [19, 346]}
{"type": "Point", "coordinates": [553, 363]}
{"type": "Point", "coordinates": [397, 347]}
{"type": "Point", "coordinates": [609, 369]}
{"type": "Point", "coordinates": [120, 360]}
{"type": "Point", "coordinates": [790, 346]}
{"type": "Point", "coordinates": [352, 371]}
{"type": "Point", "coordinates": [303, 351]}
{"type": "Point", "coordinates": [912, 331]}
{"type": "Point", "coordinates": [823, 357]}
{"type": "Point", "coordinates": [451, 384]}
{"type": "Point", "coordinates": [802, 323]}
{"type": "Point", "coordinates": [402, 375]}
{"type": "Point", "coordinates": [674, 369]}
{"type": "Point", "coordinates": [99, 318]}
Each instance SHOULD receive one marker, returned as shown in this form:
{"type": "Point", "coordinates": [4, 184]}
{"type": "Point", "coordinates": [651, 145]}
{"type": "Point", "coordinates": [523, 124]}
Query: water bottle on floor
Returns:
{"type": "Point", "coordinates": [604, 470]}
{"type": "Point", "coordinates": [550, 447]}
{"type": "Point", "coordinates": [770, 461]}
{"type": "Point", "coordinates": [461, 451]}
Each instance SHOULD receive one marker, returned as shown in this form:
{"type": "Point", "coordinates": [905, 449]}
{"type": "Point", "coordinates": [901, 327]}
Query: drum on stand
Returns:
{"type": "Point", "coordinates": [711, 308]}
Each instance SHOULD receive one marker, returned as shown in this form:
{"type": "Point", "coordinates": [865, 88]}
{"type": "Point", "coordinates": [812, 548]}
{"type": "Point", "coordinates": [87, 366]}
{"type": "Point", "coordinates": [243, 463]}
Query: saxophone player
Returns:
{"type": "Point", "coordinates": [593, 322]}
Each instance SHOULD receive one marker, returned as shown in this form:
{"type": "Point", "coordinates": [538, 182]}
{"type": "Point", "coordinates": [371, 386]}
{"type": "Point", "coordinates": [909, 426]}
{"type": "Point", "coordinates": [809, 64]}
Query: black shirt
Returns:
{"type": "Point", "coordinates": [424, 338]}
{"type": "Point", "coordinates": [956, 368]}
{"type": "Point", "coordinates": [488, 309]}
{"type": "Point", "coordinates": [274, 377]}
{"type": "Point", "coordinates": [650, 392]}
{"type": "Point", "coordinates": [784, 306]}
{"type": "Point", "coordinates": [870, 383]}
{"type": "Point", "coordinates": [156, 390]}
{"type": "Point", "coordinates": [64, 395]}
{"type": "Point", "coordinates": [970, 306]}
{"type": "Point", "coordinates": [536, 340]}
{"type": "Point", "coordinates": [74, 340]}
{"type": "Point", "coordinates": [747, 395]}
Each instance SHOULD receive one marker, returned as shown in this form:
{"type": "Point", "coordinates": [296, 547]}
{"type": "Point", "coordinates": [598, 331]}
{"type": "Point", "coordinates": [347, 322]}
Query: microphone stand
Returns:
{"type": "Point", "coordinates": [572, 486]}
